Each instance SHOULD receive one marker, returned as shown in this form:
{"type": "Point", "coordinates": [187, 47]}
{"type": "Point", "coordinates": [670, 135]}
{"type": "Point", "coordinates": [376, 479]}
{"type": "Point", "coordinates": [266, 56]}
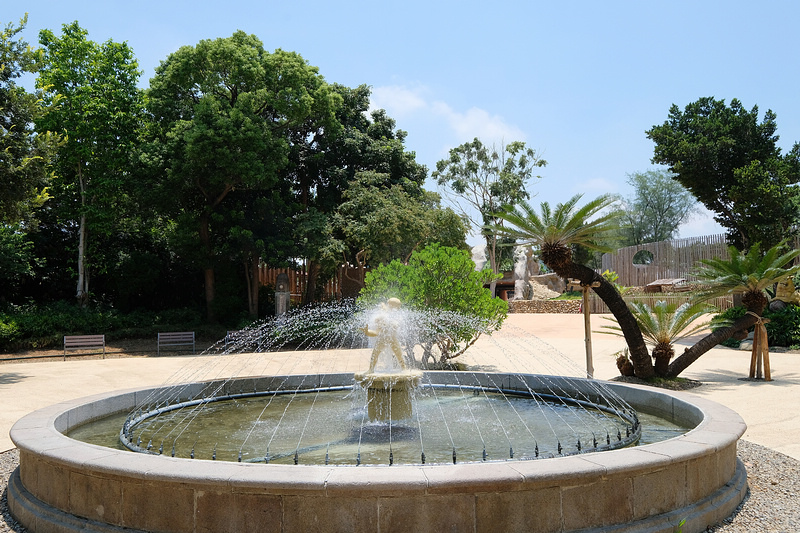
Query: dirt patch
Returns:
{"type": "Point", "coordinates": [662, 383]}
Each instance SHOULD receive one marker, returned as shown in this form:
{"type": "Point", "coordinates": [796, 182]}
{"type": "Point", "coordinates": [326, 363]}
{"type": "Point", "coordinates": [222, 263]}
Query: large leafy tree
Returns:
{"type": "Point", "coordinates": [323, 167]}
{"type": "Point", "coordinates": [224, 114]}
{"type": "Point", "coordinates": [730, 162]}
{"type": "Point", "coordinates": [376, 223]}
{"type": "Point", "coordinates": [748, 274]}
{"type": "Point", "coordinates": [488, 180]}
{"type": "Point", "coordinates": [554, 232]}
{"type": "Point", "coordinates": [24, 155]}
{"type": "Point", "coordinates": [92, 99]}
{"type": "Point", "coordinates": [657, 207]}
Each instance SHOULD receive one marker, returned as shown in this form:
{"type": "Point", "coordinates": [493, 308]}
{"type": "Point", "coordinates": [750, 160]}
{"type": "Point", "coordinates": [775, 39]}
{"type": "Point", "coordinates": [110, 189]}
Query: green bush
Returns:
{"type": "Point", "coordinates": [441, 278]}
{"type": "Point", "coordinates": [783, 328]}
{"type": "Point", "coordinates": [32, 326]}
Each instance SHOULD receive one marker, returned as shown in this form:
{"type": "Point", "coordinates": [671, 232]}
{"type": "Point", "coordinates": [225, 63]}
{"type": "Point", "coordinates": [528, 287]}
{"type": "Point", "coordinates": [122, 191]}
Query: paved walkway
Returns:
{"type": "Point", "coordinates": [769, 408]}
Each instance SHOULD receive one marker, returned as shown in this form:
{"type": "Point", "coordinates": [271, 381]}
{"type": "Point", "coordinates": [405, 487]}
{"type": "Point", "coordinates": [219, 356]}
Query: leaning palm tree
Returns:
{"type": "Point", "coordinates": [748, 274]}
{"type": "Point", "coordinates": [663, 325]}
{"type": "Point", "coordinates": [554, 232]}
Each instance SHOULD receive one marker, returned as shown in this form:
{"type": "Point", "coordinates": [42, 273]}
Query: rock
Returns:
{"type": "Point", "coordinates": [550, 281]}
{"type": "Point", "coordinates": [777, 305]}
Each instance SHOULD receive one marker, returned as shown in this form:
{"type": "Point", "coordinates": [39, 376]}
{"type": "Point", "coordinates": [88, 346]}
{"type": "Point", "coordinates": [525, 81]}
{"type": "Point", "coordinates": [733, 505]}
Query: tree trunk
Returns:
{"type": "Point", "coordinates": [208, 270]}
{"type": "Point", "coordinates": [311, 282]}
{"type": "Point", "coordinates": [640, 357]}
{"type": "Point", "coordinates": [251, 276]}
{"type": "Point", "coordinates": [692, 354]}
{"type": "Point", "coordinates": [82, 292]}
{"type": "Point", "coordinates": [491, 253]}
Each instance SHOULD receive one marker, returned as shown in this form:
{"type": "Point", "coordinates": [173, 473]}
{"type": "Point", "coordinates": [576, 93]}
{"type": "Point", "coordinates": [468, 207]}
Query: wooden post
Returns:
{"type": "Point", "coordinates": [760, 354]}
{"type": "Point", "coordinates": [587, 326]}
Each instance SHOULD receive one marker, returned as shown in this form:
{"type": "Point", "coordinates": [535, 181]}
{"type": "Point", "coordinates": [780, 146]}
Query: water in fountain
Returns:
{"type": "Point", "coordinates": [297, 417]}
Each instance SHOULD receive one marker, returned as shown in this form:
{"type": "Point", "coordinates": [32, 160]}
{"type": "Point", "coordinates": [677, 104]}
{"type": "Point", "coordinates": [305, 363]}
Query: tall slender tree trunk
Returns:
{"type": "Point", "coordinates": [82, 293]}
{"type": "Point", "coordinates": [253, 285]}
{"type": "Point", "coordinates": [640, 357]}
{"type": "Point", "coordinates": [311, 282]}
{"type": "Point", "coordinates": [208, 269]}
{"type": "Point", "coordinates": [491, 252]}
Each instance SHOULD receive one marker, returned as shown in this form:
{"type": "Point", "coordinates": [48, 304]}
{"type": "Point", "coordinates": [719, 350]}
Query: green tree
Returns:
{"type": "Point", "coordinates": [664, 324]}
{"type": "Point", "coordinates": [224, 112]}
{"type": "Point", "coordinates": [376, 223]}
{"type": "Point", "coordinates": [658, 206]}
{"type": "Point", "coordinates": [440, 278]}
{"type": "Point", "coordinates": [16, 259]}
{"type": "Point", "coordinates": [488, 180]}
{"type": "Point", "coordinates": [92, 99]}
{"type": "Point", "coordinates": [731, 163]}
{"type": "Point", "coordinates": [323, 166]}
{"type": "Point", "coordinates": [748, 274]}
{"type": "Point", "coordinates": [554, 233]}
{"type": "Point", "coordinates": [24, 156]}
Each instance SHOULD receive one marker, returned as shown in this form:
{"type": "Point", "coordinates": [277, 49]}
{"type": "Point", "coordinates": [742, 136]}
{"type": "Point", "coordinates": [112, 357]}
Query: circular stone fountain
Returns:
{"type": "Point", "coordinates": [64, 484]}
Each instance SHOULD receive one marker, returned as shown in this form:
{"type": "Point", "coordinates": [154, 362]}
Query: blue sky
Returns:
{"type": "Point", "coordinates": [578, 81]}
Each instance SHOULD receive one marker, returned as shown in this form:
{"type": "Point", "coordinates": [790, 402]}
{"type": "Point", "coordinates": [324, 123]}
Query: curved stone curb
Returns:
{"type": "Point", "coordinates": [696, 477]}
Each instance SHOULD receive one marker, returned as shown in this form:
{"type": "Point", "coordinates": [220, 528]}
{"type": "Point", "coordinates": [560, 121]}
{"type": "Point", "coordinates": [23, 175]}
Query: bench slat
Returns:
{"type": "Point", "coordinates": [175, 338]}
{"type": "Point", "coordinates": [80, 342]}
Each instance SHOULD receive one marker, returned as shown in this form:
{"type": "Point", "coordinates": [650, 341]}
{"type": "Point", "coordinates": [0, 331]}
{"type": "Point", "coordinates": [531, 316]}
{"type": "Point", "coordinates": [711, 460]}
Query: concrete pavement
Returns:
{"type": "Point", "coordinates": [767, 407]}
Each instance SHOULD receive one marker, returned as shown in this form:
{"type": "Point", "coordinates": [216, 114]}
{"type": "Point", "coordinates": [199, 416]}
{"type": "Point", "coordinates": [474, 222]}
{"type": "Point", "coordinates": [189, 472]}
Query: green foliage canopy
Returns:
{"type": "Point", "coordinates": [658, 206]}
{"type": "Point", "coordinates": [224, 114]}
{"type": "Point", "coordinates": [91, 97]}
{"type": "Point", "coordinates": [24, 156]}
{"type": "Point", "coordinates": [488, 180]}
{"type": "Point", "coordinates": [731, 163]}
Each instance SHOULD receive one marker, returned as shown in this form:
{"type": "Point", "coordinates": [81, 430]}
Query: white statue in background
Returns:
{"type": "Point", "coordinates": [387, 331]}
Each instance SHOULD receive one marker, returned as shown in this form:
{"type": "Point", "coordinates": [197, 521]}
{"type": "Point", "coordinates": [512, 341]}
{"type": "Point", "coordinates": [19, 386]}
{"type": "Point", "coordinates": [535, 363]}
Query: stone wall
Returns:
{"type": "Point", "coordinates": [544, 306]}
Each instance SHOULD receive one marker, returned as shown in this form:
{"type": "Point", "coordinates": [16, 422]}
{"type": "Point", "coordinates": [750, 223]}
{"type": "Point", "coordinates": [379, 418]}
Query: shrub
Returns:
{"type": "Point", "coordinates": [783, 328]}
{"type": "Point", "coordinates": [445, 279]}
{"type": "Point", "coordinates": [32, 326]}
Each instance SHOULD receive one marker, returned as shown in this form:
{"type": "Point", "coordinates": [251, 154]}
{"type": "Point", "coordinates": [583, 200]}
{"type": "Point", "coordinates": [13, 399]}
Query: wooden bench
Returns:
{"type": "Point", "coordinates": [84, 342]}
{"type": "Point", "coordinates": [176, 338]}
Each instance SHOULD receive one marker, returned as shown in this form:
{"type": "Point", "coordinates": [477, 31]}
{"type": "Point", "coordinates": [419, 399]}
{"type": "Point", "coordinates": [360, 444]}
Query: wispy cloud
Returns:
{"type": "Point", "coordinates": [416, 103]}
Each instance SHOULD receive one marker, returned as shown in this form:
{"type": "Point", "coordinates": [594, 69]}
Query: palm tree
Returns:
{"type": "Point", "coordinates": [664, 324]}
{"type": "Point", "coordinates": [746, 274]}
{"type": "Point", "coordinates": [554, 232]}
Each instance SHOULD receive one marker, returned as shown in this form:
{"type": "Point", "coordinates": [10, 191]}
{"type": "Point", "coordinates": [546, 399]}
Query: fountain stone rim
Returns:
{"type": "Point", "coordinates": [696, 474]}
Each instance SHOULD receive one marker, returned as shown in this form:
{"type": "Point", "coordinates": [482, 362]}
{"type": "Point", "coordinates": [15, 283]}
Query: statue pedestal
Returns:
{"type": "Point", "coordinates": [389, 395]}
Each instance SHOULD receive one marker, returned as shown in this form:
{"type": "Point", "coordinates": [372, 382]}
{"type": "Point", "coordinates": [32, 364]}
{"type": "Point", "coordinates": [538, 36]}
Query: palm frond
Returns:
{"type": "Point", "coordinates": [665, 323]}
{"type": "Point", "coordinates": [564, 225]}
{"type": "Point", "coordinates": [745, 272]}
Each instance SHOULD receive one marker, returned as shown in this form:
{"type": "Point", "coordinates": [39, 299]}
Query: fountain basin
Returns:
{"type": "Point", "coordinates": [64, 485]}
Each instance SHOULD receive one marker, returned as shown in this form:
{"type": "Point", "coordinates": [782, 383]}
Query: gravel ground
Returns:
{"type": "Point", "coordinates": [770, 506]}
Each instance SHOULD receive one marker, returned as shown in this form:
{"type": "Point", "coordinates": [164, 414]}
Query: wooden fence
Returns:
{"type": "Point", "coordinates": [675, 258]}
{"type": "Point", "coordinates": [336, 288]}
{"type": "Point", "coordinates": [596, 305]}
